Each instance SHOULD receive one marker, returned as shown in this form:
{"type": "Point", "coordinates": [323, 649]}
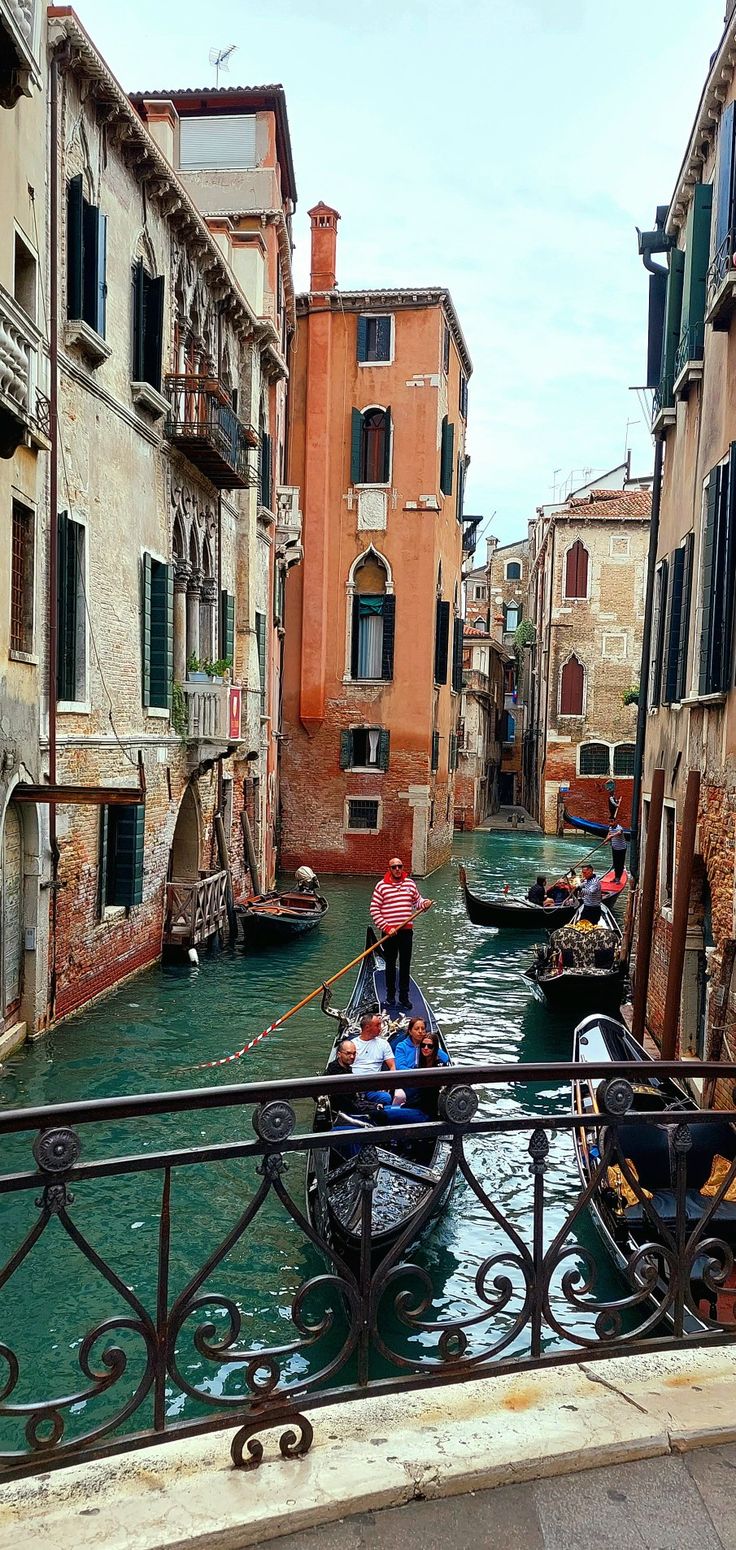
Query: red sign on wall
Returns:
{"type": "Point", "coordinates": [235, 714]}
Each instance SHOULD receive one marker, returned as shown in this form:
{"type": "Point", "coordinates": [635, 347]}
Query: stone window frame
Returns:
{"type": "Point", "coordinates": [573, 715]}
{"type": "Point", "coordinates": [666, 908]}
{"type": "Point", "coordinates": [371, 549]}
{"type": "Point", "coordinates": [506, 575]}
{"type": "Point", "coordinates": [349, 828]}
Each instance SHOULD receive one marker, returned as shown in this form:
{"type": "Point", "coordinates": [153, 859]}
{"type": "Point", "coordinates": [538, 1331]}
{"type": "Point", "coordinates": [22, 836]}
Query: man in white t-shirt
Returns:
{"type": "Point", "coordinates": [372, 1053]}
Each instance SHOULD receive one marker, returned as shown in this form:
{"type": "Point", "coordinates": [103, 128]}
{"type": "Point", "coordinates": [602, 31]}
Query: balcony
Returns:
{"type": "Point", "coordinates": [204, 426]}
{"type": "Point", "coordinates": [470, 534]}
{"type": "Point", "coordinates": [663, 405]}
{"type": "Point", "coordinates": [720, 285]}
{"type": "Point", "coordinates": [689, 359]}
{"type": "Point", "coordinates": [476, 681]}
{"type": "Point", "coordinates": [19, 70]}
{"type": "Point", "coordinates": [288, 525]}
{"type": "Point", "coordinates": [21, 404]}
{"type": "Point", "coordinates": [212, 719]}
{"type": "Point", "coordinates": [195, 910]}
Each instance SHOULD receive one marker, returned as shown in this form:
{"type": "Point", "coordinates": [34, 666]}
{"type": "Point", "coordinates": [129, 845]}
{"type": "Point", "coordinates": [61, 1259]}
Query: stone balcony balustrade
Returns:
{"type": "Point", "coordinates": [19, 71]}
{"type": "Point", "coordinates": [20, 343]}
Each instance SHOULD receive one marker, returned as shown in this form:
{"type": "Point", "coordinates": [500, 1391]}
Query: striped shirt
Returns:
{"type": "Point", "coordinates": [394, 902]}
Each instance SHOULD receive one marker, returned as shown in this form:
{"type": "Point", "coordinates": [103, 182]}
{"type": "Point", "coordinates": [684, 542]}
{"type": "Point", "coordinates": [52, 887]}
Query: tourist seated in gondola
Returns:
{"type": "Point", "coordinates": [558, 892]}
{"type": "Point", "coordinates": [536, 893]}
{"type": "Point", "coordinates": [406, 1051]}
{"type": "Point", "coordinates": [373, 1053]}
{"type": "Point", "coordinates": [426, 1099]}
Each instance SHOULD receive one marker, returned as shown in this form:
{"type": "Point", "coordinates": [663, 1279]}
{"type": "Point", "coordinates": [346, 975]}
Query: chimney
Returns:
{"type": "Point", "coordinates": [491, 547]}
{"type": "Point", "coordinates": [324, 247]}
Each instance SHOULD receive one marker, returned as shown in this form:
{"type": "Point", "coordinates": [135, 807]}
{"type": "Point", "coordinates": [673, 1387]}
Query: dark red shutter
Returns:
{"type": "Point", "coordinates": [571, 688]}
{"type": "Point", "coordinates": [576, 571]}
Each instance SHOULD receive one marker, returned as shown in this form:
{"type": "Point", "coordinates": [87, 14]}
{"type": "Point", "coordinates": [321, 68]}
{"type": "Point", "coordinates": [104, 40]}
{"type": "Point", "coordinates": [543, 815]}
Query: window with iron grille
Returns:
{"type": "Point", "coordinates": [362, 814]}
{"type": "Point", "coordinates": [595, 759]}
{"type": "Point", "coordinates": [21, 589]}
{"type": "Point", "coordinates": [623, 759]}
{"type": "Point", "coordinates": [261, 644]}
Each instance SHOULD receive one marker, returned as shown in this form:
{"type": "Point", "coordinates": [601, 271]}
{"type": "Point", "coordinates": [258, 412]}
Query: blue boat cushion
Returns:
{"type": "Point", "coordinates": [650, 1149]}
{"type": "Point", "coordinates": [663, 1201]}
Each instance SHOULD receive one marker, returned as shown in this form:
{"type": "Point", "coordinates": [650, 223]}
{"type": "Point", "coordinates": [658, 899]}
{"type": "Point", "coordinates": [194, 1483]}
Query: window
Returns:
{"type": "Point", "coordinates": [435, 752]}
{"type": "Point", "coordinates": [697, 253]}
{"type": "Point", "coordinates": [86, 259]}
{"type": "Point", "coordinates": [373, 622]}
{"type": "Point", "coordinates": [667, 859]}
{"type": "Point", "coordinates": [718, 563]}
{"type": "Point", "coordinates": [22, 579]}
{"type": "Point", "coordinates": [511, 617]}
{"type": "Point", "coordinates": [227, 622]}
{"type": "Point", "coordinates": [441, 640]}
{"type": "Point", "coordinates": [447, 444]}
{"type": "Point", "coordinates": [463, 401]}
{"type": "Point", "coordinates": [595, 759]}
{"type": "Point", "coordinates": [572, 682]}
{"type": "Point", "coordinates": [677, 627]}
{"type": "Point", "coordinates": [265, 461]}
{"type": "Point", "coordinates": [576, 570]}
{"type": "Point", "coordinates": [375, 340]}
{"type": "Point", "coordinates": [457, 656]}
{"type": "Point", "coordinates": [209, 142]}
{"type": "Point", "coordinates": [71, 666]}
{"type": "Point", "coordinates": [445, 348]}
{"type": "Point", "coordinates": [157, 632]}
{"type": "Point", "coordinates": [479, 592]}
{"type": "Point", "coordinates": [508, 727]}
{"type": "Point", "coordinates": [370, 457]}
{"type": "Point", "coordinates": [658, 623]}
{"type": "Point", "coordinates": [363, 815]}
{"type": "Point", "coordinates": [513, 571]}
{"type": "Point", "coordinates": [364, 748]}
{"type": "Point", "coordinates": [122, 831]}
{"type": "Point", "coordinates": [24, 277]}
{"type": "Point", "coordinates": [623, 759]}
{"type": "Point", "coordinates": [460, 488]}
{"type": "Point", "coordinates": [261, 644]}
{"type": "Point", "coordinates": [148, 318]}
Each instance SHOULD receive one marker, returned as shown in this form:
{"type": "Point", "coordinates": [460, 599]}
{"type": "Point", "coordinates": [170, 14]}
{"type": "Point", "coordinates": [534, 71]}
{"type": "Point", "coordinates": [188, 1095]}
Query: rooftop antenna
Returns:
{"type": "Point", "coordinates": [219, 57]}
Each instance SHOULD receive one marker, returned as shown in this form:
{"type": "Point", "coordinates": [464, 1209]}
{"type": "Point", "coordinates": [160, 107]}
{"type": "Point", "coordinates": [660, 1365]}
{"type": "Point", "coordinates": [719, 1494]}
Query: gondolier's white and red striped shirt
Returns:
{"type": "Point", "coordinates": [393, 902]}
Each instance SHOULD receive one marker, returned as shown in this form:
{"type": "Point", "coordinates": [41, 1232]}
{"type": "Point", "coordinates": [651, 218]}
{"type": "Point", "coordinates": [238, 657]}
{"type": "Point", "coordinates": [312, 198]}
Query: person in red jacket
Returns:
{"type": "Point", "coordinates": [395, 898]}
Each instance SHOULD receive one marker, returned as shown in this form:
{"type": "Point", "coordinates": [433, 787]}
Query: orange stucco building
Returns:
{"type": "Point", "coordinates": [373, 647]}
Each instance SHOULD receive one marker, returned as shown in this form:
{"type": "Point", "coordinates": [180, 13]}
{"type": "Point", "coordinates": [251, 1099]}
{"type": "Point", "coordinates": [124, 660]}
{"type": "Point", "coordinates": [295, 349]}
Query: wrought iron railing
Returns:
{"type": "Point", "coordinates": [663, 396]}
{"type": "Point", "coordinates": [722, 265]}
{"type": "Point", "coordinates": [204, 423]}
{"type": "Point", "coordinates": [690, 348]}
{"type": "Point", "coordinates": [179, 1341]}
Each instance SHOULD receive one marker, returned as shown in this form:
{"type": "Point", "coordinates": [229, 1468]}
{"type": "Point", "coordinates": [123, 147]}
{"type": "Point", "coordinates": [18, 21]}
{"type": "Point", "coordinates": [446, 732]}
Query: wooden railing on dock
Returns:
{"type": "Point", "coordinates": [195, 910]}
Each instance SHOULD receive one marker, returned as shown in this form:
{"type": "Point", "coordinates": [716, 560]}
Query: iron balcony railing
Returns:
{"type": "Point", "coordinates": [722, 266]}
{"type": "Point", "coordinates": [690, 348]}
{"type": "Point", "coordinates": [159, 1334]}
{"type": "Point", "coordinates": [204, 425]}
{"type": "Point", "coordinates": [664, 395]}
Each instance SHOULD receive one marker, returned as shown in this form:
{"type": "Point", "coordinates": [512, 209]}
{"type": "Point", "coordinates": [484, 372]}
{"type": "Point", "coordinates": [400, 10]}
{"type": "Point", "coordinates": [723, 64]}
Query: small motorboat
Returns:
{"type": "Point", "coordinates": [580, 967]}
{"type": "Point", "coordinates": [505, 910]}
{"type": "Point", "coordinates": [589, 825]}
{"type": "Point", "coordinates": [270, 918]}
{"type": "Point", "coordinates": [631, 1173]}
{"type": "Point", "coordinates": [412, 1180]}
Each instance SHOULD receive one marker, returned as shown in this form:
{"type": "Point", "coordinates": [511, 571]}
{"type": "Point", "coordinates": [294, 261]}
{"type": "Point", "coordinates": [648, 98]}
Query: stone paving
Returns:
{"type": "Point", "coordinates": [509, 818]}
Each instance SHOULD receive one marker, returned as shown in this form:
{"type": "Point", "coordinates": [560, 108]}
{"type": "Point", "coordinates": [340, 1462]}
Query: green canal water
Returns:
{"type": "Point", "coordinates": [147, 1037]}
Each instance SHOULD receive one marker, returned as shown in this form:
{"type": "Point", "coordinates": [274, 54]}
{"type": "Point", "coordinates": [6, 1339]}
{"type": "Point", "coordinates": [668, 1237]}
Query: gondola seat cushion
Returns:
{"type": "Point", "coordinates": [648, 1148]}
{"type": "Point", "coordinates": [583, 946]}
{"type": "Point", "coordinates": [664, 1202]}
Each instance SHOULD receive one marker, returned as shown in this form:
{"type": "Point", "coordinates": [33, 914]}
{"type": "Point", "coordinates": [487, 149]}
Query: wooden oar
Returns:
{"type": "Point", "coordinates": [207, 1065]}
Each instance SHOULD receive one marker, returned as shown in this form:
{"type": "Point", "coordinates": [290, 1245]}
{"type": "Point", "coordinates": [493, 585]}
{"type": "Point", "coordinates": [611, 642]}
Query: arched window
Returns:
{"type": "Point", "coordinates": [513, 571]}
{"type": "Point", "coordinates": [374, 612]}
{"type": "Point", "coordinates": [623, 759]}
{"type": "Point", "coordinates": [511, 617]}
{"type": "Point", "coordinates": [576, 570]}
{"type": "Point", "coordinates": [595, 759]}
{"type": "Point", "coordinates": [572, 679]}
{"type": "Point", "coordinates": [370, 461]}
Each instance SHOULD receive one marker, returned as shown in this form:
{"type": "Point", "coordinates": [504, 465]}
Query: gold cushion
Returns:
{"type": "Point", "coordinates": [617, 1180]}
{"type": "Point", "coordinates": [718, 1174]}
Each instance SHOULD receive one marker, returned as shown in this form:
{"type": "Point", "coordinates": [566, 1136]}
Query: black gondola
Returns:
{"type": "Point", "coordinates": [270, 918]}
{"type": "Point", "coordinates": [580, 967]}
{"type": "Point", "coordinates": [590, 825]}
{"type": "Point", "coordinates": [406, 1173]}
{"type": "Point", "coordinates": [630, 1212]}
{"type": "Point", "coordinates": [520, 915]}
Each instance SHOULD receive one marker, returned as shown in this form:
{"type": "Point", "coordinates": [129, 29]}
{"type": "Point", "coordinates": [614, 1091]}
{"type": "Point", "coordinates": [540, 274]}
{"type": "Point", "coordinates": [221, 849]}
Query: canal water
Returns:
{"type": "Point", "coordinates": [149, 1035]}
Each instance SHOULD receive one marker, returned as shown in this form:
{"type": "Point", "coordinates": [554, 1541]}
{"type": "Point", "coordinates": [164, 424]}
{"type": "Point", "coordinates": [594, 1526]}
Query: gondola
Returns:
{"type": "Point", "coordinates": [407, 1172]}
{"type": "Point", "coordinates": [519, 914]}
{"type": "Point", "coordinates": [268, 919]}
{"type": "Point", "coordinates": [589, 825]}
{"type": "Point", "coordinates": [580, 967]}
{"type": "Point", "coordinates": [644, 1152]}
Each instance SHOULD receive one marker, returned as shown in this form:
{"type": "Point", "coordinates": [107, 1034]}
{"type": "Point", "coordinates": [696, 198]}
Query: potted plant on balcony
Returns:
{"type": "Point", "coordinates": [219, 672]}
{"type": "Point", "coordinates": [196, 670]}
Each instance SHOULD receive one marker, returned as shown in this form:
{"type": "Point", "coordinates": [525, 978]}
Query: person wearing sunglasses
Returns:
{"type": "Point", "coordinates": [406, 1053]}
{"type": "Point", "coordinates": [395, 898]}
{"type": "Point", "coordinates": [425, 1100]}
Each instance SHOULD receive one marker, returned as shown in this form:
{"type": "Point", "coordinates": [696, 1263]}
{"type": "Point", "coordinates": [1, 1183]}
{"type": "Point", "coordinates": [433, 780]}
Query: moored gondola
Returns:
{"type": "Point", "coordinates": [520, 915]}
{"type": "Point", "coordinates": [268, 919]}
{"type": "Point", "coordinates": [590, 825]}
{"type": "Point", "coordinates": [580, 968]}
{"type": "Point", "coordinates": [631, 1173]}
{"type": "Point", "coordinates": [411, 1178]}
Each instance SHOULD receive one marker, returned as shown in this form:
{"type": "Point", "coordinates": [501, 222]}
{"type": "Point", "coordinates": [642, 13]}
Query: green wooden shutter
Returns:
{"type": "Point", "coordinates": [452, 759]}
{"type": "Point", "coordinates": [154, 328]}
{"type": "Point", "coordinates": [265, 471]}
{"type": "Point", "coordinates": [460, 487]}
{"type": "Point", "coordinates": [356, 443]}
{"type": "Point", "coordinates": [674, 622]}
{"type": "Point", "coordinates": [146, 630]}
{"type": "Point", "coordinates": [389, 633]}
{"type": "Point", "coordinates": [384, 748]}
{"type": "Point", "coordinates": [161, 630]}
{"type": "Point", "coordinates": [682, 648]}
{"type": "Point", "coordinates": [101, 275]}
{"type": "Point", "coordinates": [128, 830]}
{"type": "Point", "coordinates": [169, 624]}
{"type": "Point", "coordinates": [387, 446]}
{"type": "Point", "coordinates": [362, 340]}
{"type": "Point", "coordinates": [656, 681]}
{"type": "Point", "coordinates": [227, 626]}
{"type": "Point", "coordinates": [672, 318]}
{"type": "Point", "coordinates": [355, 637]}
{"type": "Point", "coordinates": [138, 321]}
{"type": "Point", "coordinates": [457, 656]}
{"type": "Point", "coordinates": [435, 751]}
{"type": "Point", "coordinates": [709, 528]}
{"type": "Point", "coordinates": [74, 246]}
{"type": "Point", "coordinates": [447, 456]}
{"type": "Point", "coordinates": [697, 253]}
{"type": "Point", "coordinates": [727, 569]}
{"type": "Point", "coordinates": [655, 335]}
{"type": "Point", "coordinates": [102, 865]}
{"type": "Point", "coordinates": [262, 656]}
{"type": "Point", "coordinates": [441, 640]}
{"type": "Point", "coordinates": [67, 599]}
{"type": "Point", "coordinates": [346, 750]}
{"type": "Point", "coordinates": [724, 182]}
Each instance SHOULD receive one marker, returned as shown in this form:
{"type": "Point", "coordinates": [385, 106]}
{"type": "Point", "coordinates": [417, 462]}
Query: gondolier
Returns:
{"type": "Point", "coordinates": [395, 898]}
{"type": "Point", "coordinates": [617, 840]}
{"type": "Point", "coordinates": [591, 896]}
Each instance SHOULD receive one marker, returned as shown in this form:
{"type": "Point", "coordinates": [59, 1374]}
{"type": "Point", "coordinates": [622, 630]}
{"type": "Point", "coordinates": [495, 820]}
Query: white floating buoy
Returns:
{"type": "Point", "coordinates": [193, 956]}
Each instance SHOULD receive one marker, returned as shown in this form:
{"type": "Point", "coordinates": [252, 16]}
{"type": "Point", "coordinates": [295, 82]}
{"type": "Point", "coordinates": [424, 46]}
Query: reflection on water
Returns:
{"type": "Point", "coordinates": [152, 1033]}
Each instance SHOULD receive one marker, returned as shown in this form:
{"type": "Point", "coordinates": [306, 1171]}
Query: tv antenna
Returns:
{"type": "Point", "coordinates": [219, 57]}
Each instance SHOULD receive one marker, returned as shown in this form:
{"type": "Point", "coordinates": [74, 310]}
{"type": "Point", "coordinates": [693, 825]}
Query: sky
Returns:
{"type": "Point", "coordinates": [504, 150]}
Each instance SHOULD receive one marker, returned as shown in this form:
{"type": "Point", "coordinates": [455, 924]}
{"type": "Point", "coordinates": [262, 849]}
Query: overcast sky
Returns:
{"type": "Point", "coordinates": [506, 150]}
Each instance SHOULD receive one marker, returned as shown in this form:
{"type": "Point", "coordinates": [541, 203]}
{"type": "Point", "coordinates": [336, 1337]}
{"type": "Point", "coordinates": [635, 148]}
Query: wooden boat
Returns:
{"type": "Point", "coordinates": [580, 968]}
{"type": "Point", "coordinates": [408, 1174]}
{"type": "Point", "coordinates": [504, 910]}
{"type": "Point", "coordinates": [643, 1151]}
{"type": "Point", "coordinates": [589, 825]}
{"type": "Point", "coordinates": [270, 918]}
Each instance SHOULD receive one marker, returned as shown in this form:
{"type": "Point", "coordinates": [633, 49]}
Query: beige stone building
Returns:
{"type": "Point", "coordinates": [485, 665]}
{"type": "Point", "coordinates": [585, 598]}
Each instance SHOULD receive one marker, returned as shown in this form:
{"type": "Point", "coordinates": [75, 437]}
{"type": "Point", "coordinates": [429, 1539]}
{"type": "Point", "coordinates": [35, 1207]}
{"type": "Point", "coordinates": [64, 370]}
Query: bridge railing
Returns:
{"type": "Point", "coordinates": [162, 1276]}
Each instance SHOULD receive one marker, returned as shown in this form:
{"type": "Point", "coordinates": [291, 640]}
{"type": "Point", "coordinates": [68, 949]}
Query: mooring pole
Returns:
{"type": "Point", "coordinates": [679, 916]}
{"type": "Point", "coordinates": [646, 907]}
